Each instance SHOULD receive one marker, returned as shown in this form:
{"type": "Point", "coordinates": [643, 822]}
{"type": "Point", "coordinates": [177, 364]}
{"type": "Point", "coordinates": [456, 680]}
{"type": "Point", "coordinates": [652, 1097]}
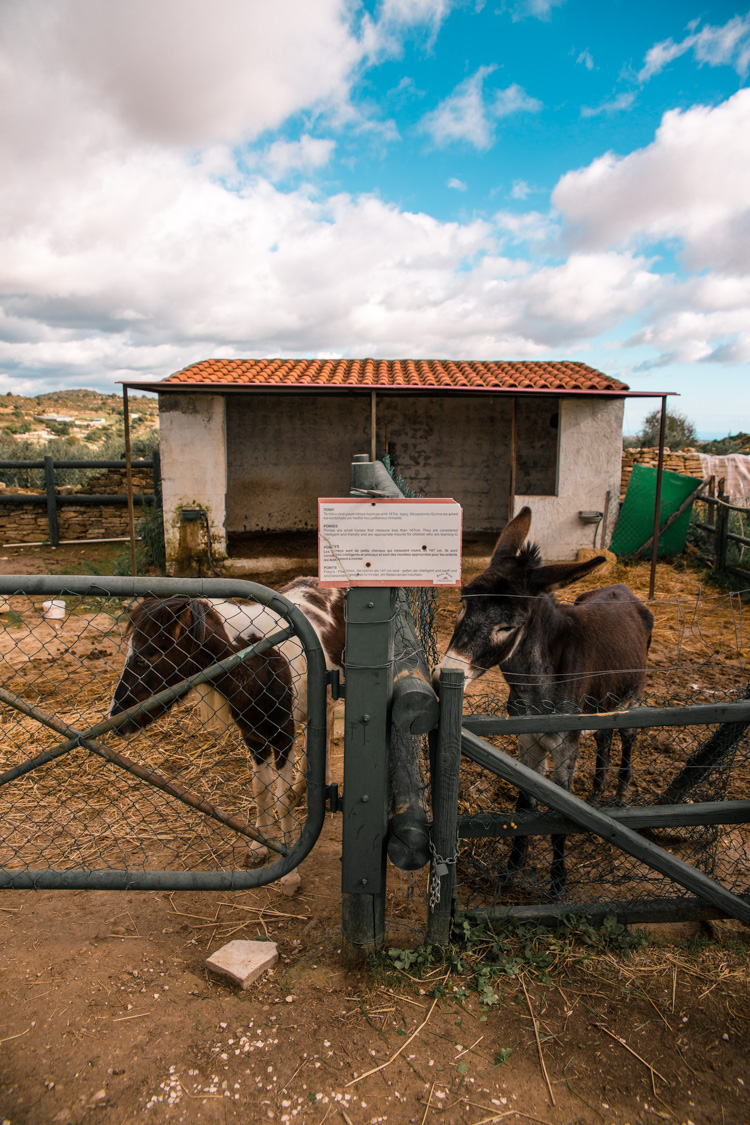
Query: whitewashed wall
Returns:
{"type": "Point", "coordinates": [194, 468]}
{"type": "Point", "coordinates": [590, 464]}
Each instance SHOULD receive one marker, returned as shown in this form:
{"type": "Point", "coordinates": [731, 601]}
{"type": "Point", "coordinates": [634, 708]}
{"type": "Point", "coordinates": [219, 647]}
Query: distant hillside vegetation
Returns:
{"type": "Point", "coordinates": [80, 417]}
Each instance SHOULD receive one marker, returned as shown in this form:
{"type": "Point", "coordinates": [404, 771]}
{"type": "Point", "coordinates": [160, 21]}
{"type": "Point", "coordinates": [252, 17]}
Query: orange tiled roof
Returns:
{"type": "Point", "coordinates": [441, 374]}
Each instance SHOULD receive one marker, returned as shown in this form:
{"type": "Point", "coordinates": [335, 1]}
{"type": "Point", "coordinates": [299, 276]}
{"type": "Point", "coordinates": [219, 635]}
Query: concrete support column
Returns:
{"type": "Point", "coordinates": [194, 456]}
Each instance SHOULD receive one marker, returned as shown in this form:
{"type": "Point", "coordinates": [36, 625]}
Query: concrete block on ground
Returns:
{"type": "Point", "coordinates": [244, 961]}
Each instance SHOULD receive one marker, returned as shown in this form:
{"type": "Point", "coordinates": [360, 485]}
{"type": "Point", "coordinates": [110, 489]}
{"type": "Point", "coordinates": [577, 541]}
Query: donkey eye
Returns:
{"type": "Point", "coordinates": [501, 632]}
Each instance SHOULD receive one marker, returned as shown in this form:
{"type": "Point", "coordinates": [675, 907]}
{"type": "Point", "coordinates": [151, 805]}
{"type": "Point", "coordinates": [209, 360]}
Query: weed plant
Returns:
{"type": "Point", "coordinates": [483, 954]}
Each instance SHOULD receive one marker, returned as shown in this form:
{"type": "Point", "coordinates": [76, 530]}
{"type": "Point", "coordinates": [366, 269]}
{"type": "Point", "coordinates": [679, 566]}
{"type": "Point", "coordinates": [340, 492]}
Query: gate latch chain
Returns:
{"type": "Point", "coordinates": [440, 866]}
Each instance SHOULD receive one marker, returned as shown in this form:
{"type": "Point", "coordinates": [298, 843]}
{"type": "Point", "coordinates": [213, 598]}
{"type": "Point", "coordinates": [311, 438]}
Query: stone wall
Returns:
{"type": "Point", "coordinates": [686, 462]}
{"type": "Point", "coordinates": [27, 523]}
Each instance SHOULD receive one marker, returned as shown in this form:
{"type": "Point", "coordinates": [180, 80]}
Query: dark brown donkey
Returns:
{"type": "Point", "coordinates": [586, 657]}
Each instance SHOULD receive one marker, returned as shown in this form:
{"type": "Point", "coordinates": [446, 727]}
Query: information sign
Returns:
{"type": "Point", "coordinates": [389, 542]}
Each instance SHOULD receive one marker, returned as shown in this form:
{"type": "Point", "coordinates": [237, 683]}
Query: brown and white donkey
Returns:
{"type": "Point", "coordinates": [172, 638]}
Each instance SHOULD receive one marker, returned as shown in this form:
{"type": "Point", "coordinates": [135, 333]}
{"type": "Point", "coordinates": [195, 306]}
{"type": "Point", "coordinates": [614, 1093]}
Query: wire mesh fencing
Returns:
{"type": "Point", "coordinates": [163, 733]}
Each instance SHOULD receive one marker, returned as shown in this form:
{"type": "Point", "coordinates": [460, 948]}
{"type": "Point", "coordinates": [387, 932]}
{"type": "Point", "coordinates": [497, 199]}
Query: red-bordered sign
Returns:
{"type": "Point", "coordinates": [387, 542]}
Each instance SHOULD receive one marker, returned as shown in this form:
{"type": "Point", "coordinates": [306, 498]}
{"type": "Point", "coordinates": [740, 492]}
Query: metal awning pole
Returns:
{"type": "Point", "coordinates": [129, 480]}
{"type": "Point", "coordinates": [513, 455]}
{"type": "Point", "coordinates": [657, 498]}
{"type": "Point", "coordinates": [373, 426]}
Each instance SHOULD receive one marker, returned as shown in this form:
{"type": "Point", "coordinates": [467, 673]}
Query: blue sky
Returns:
{"type": "Point", "coordinates": [520, 179]}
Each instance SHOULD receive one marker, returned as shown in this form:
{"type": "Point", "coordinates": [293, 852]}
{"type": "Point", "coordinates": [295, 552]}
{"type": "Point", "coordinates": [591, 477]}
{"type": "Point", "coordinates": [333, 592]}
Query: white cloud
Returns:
{"type": "Point", "coordinates": [728, 45]}
{"type": "Point", "coordinates": [514, 99]}
{"type": "Point", "coordinates": [305, 155]}
{"type": "Point", "coordinates": [616, 105]}
{"type": "Point", "coordinates": [692, 183]}
{"type": "Point", "coordinates": [462, 116]}
{"type": "Point", "coordinates": [456, 184]}
{"type": "Point", "coordinates": [410, 12]}
{"type": "Point", "coordinates": [466, 115]}
{"type": "Point", "coordinates": [175, 71]}
{"type": "Point", "coordinates": [586, 59]}
{"type": "Point", "coordinates": [538, 9]}
{"type": "Point", "coordinates": [128, 247]}
{"type": "Point", "coordinates": [532, 227]}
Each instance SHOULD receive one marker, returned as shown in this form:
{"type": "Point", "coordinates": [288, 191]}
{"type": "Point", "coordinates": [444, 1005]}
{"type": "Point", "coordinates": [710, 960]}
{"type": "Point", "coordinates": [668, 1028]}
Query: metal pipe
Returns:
{"type": "Point", "coordinates": [80, 464]}
{"type": "Point", "coordinates": [657, 498]}
{"type": "Point", "coordinates": [697, 714]}
{"type": "Point", "coordinates": [69, 542]}
{"type": "Point", "coordinates": [72, 499]}
{"type": "Point", "coordinates": [513, 455]}
{"type": "Point", "coordinates": [129, 480]}
{"type": "Point", "coordinates": [373, 426]}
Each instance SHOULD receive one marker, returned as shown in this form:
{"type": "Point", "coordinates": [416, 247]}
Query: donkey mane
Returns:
{"type": "Point", "coordinates": [530, 555]}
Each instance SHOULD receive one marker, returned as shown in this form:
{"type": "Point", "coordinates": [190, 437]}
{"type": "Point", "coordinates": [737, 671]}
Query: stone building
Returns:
{"type": "Point", "coordinates": [253, 443]}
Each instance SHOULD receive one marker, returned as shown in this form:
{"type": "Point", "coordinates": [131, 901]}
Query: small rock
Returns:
{"type": "Point", "coordinates": [244, 961]}
{"type": "Point", "coordinates": [290, 884]}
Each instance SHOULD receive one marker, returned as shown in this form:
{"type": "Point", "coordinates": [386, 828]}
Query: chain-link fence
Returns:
{"type": "Point", "coordinates": [168, 734]}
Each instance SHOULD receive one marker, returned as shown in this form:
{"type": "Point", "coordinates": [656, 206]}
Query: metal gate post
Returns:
{"type": "Point", "coordinates": [445, 807]}
{"type": "Point", "coordinates": [367, 722]}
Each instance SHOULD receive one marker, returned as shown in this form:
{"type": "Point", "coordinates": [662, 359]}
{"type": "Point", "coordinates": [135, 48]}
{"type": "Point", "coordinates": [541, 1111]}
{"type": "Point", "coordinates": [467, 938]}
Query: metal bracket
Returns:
{"type": "Point", "coordinates": [333, 680]}
{"type": "Point", "coordinates": [334, 799]}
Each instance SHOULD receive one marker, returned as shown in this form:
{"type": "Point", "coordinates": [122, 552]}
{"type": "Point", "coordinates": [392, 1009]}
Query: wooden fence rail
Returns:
{"type": "Point", "coordinates": [54, 499]}
{"type": "Point", "coordinates": [716, 527]}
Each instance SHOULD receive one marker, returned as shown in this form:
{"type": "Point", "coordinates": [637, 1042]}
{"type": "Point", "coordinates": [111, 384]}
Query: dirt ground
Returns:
{"type": "Point", "coordinates": [108, 1013]}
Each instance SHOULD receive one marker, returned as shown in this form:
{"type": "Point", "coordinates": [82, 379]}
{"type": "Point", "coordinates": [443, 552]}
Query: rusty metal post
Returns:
{"type": "Point", "coordinates": [657, 498]}
{"type": "Point", "coordinates": [129, 480]}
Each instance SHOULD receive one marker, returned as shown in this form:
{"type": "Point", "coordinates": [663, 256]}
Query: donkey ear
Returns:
{"type": "Point", "coordinates": [513, 535]}
{"type": "Point", "coordinates": [199, 607]}
{"type": "Point", "coordinates": [555, 575]}
{"type": "Point", "coordinates": [182, 622]}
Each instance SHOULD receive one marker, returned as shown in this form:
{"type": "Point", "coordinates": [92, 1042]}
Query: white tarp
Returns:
{"type": "Point", "coordinates": [734, 468]}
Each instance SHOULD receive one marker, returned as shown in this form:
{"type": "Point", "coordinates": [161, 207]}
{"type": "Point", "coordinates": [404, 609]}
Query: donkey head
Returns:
{"type": "Point", "coordinates": [168, 641]}
{"type": "Point", "coordinates": [496, 605]}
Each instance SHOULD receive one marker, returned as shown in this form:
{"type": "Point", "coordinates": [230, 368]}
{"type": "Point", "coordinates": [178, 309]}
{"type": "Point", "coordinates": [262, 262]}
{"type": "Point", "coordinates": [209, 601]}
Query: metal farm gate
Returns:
{"type": "Point", "coordinates": [172, 808]}
{"type": "Point", "coordinates": [630, 849]}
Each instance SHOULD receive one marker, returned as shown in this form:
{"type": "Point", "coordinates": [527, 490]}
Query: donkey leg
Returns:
{"type": "Point", "coordinates": [532, 752]}
{"type": "Point", "coordinates": [285, 802]}
{"type": "Point", "coordinates": [603, 740]}
{"type": "Point", "coordinates": [285, 799]}
{"type": "Point", "coordinates": [263, 796]}
{"type": "Point", "coordinates": [520, 846]}
{"type": "Point", "coordinates": [627, 738]}
{"type": "Point", "coordinates": [565, 753]}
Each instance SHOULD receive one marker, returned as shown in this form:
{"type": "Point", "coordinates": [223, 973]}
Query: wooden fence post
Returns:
{"type": "Point", "coordinates": [722, 528]}
{"type": "Point", "coordinates": [49, 487]}
{"type": "Point", "coordinates": [156, 470]}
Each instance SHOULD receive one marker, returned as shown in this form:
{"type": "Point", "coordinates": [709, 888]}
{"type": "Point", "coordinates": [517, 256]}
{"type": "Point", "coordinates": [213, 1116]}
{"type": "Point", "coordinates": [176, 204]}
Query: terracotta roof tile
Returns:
{"type": "Point", "coordinates": [428, 374]}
